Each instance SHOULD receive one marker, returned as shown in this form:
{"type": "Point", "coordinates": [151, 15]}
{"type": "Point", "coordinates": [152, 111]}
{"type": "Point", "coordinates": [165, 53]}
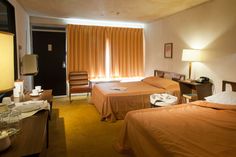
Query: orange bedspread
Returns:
{"type": "Point", "coordinates": [200, 129]}
{"type": "Point", "coordinates": [114, 104]}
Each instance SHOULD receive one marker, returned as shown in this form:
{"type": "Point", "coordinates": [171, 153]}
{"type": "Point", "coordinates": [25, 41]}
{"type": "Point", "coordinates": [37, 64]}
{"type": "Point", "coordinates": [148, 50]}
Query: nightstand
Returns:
{"type": "Point", "coordinates": [198, 90]}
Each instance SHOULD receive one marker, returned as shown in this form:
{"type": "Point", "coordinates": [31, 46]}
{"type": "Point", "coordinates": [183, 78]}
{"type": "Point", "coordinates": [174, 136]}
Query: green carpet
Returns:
{"type": "Point", "coordinates": [75, 130]}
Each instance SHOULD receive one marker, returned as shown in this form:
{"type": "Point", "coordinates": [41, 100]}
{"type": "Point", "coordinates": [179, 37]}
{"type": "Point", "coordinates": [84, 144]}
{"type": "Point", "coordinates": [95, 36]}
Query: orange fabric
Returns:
{"type": "Point", "coordinates": [86, 50]}
{"type": "Point", "coordinates": [187, 130]}
{"type": "Point", "coordinates": [126, 50]}
{"type": "Point", "coordinates": [215, 105]}
{"type": "Point", "coordinates": [114, 104]}
{"type": "Point", "coordinates": [161, 82]}
{"type": "Point", "coordinates": [170, 86]}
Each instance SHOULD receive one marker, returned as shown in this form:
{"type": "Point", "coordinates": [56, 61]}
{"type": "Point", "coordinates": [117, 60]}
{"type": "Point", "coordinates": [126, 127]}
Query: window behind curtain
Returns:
{"type": "Point", "coordinates": [126, 51]}
{"type": "Point", "coordinates": [86, 50]}
{"type": "Point", "coordinates": [105, 51]}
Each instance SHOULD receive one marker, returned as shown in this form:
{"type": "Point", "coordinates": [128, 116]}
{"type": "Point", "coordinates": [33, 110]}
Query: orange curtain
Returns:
{"type": "Point", "coordinates": [86, 50]}
{"type": "Point", "coordinates": [126, 51]}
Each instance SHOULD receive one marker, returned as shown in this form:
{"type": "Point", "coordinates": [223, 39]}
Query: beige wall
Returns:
{"type": "Point", "coordinates": [210, 27]}
{"type": "Point", "coordinates": [22, 37]}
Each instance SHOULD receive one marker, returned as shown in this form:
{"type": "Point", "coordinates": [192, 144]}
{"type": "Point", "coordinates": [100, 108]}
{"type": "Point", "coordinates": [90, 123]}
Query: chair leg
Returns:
{"type": "Point", "coordinates": [70, 96]}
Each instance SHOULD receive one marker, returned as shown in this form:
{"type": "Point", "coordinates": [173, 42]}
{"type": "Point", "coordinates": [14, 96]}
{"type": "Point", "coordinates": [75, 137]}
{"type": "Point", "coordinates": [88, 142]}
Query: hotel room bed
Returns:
{"type": "Point", "coordinates": [201, 128]}
{"type": "Point", "coordinates": [113, 104]}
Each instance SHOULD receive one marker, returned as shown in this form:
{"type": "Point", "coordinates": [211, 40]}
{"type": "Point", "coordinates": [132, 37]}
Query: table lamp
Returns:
{"type": "Point", "coordinates": [6, 62]}
{"type": "Point", "coordinates": [7, 76]}
{"type": "Point", "coordinates": [191, 55]}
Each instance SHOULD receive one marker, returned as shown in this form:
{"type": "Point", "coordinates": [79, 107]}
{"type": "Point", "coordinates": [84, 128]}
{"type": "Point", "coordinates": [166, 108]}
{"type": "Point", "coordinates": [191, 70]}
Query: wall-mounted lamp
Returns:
{"type": "Point", "coordinates": [191, 55]}
{"type": "Point", "coordinates": [29, 64]}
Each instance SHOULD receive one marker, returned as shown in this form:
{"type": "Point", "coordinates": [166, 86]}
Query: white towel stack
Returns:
{"type": "Point", "coordinates": [163, 99]}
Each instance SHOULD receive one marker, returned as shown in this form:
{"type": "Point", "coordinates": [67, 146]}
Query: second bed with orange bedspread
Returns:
{"type": "Point", "coordinates": [114, 100]}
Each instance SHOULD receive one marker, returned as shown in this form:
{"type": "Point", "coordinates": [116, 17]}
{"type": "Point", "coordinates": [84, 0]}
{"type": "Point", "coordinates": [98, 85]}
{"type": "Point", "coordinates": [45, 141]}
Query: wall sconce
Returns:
{"type": "Point", "coordinates": [191, 55]}
{"type": "Point", "coordinates": [29, 64]}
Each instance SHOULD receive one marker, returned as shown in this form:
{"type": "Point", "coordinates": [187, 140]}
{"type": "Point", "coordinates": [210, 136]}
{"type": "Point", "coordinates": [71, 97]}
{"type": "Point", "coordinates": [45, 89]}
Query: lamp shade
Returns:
{"type": "Point", "coordinates": [191, 55]}
{"type": "Point", "coordinates": [29, 64]}
{"type": "Point", "coordinates": [6, 62]}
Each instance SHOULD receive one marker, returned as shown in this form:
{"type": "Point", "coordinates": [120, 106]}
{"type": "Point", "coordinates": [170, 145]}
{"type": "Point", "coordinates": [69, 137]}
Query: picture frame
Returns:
{"type": "Point", "coordinates": [168, 50]}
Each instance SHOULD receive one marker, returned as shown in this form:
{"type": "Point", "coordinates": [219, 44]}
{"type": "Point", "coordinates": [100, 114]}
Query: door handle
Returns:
{"type": "Point", "coordinates": [63, 64]}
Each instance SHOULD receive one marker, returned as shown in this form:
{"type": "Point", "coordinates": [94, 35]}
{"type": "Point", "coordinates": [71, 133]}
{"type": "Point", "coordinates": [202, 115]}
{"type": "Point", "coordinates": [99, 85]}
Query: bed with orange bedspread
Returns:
{"type": "Point", "coordinates": [113, 104]}
{"type": "Point", "coordinates": [201, 129]}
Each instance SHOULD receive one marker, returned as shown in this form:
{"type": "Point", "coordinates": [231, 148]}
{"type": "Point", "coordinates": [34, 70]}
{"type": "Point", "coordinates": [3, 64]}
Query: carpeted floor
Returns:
{"type": "Point", "coordinates": [75, 130]}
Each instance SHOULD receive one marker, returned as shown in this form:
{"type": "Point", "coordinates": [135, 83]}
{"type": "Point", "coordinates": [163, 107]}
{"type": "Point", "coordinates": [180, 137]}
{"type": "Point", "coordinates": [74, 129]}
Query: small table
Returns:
{"type": "Point", "coordinates": [202, 90]}
{"type": "Point", "coordinates": [45, 95]}
{"type": "Point", "coordinates": [33, 137]}
{"type": "Point", "coordinates": [190, 97]}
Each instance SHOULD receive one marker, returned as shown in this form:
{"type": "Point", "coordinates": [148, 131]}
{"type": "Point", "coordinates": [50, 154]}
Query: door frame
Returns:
{"type": "Point", "coordinates": [49, 28]}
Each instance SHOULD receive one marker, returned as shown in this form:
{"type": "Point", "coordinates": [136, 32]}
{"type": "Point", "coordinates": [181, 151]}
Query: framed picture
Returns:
{"type": "Point", "coordinates": [168, 48]}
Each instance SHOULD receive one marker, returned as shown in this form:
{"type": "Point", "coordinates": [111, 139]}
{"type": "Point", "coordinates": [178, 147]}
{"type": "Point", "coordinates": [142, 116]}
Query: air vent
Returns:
{"type": "Point", "coordinates": [49, 28]}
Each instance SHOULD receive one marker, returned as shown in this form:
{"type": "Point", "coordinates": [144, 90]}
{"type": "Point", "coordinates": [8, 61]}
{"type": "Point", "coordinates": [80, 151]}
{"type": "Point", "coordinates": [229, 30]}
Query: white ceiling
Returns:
{"type": "Point", "coordinates": [115, 10]}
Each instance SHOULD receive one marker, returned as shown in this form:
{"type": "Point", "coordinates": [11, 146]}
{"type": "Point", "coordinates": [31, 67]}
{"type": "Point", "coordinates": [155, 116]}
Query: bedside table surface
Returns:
{"type": "Point", "coordinates": [202, 89]}
{"type": "Point", "coordinates": [193, 82]}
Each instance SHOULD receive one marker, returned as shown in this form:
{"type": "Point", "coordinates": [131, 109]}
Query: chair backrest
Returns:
{"type": "Point", "coordinates": [78, 78]}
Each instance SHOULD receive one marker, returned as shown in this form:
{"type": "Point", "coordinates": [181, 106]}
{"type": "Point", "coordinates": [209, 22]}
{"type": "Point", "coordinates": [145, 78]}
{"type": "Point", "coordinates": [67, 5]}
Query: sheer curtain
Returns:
{"type": "Point", "coordinates": [86, 50]}
{"type": "Point", "coordinates": [126, 51]}
{"type": "Point", "coordinates": [89, 47]}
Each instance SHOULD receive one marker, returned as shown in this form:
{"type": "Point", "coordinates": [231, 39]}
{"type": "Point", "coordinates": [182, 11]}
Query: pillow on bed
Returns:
{"type": "Point", "coordinates": [226, 97]}
{"type": "Point", "coordinates": [160, 82]}
{"type": "Point", "coordinates": [168, 76]}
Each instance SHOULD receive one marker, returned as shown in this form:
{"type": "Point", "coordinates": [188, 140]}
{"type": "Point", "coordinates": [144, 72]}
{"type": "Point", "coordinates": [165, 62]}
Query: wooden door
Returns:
{"type": "Point", "coordinates": [51, 49]}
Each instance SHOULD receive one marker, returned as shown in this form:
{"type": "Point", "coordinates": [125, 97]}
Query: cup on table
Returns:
{"type": "Point", "coordinates": [6, 100]}
{"type": "Point", "coordinates": [3, 108]}
{"type": "Point", "coordinates": [35, 92]}
{"type": "Point", "coordinates": [38, 88]}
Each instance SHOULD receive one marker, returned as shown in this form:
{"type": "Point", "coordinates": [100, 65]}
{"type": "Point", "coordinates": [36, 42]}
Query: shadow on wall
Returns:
{"type": "Point", "coordinates": [219, 58]}
{"type": "Point", "coordinates": [210, 22]}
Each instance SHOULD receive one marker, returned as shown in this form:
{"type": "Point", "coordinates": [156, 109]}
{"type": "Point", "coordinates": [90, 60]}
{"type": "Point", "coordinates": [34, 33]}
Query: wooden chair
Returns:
{"type": "Point", "coordinates": [79, 83]}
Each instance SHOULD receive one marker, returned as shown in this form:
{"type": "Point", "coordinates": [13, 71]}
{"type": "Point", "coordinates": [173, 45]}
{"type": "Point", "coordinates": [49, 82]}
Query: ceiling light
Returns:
{"type": "Point", "coordinates": [103, 23]}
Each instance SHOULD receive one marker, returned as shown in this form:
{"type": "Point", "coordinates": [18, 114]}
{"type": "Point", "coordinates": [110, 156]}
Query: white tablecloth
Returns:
{"type": "Point", "coordinates": [41, 105]}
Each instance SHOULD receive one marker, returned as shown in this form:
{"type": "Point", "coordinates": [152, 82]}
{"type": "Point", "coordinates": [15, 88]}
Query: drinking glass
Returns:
{"type": "Point", "coordinates": [14, 121]}
{"type": "Point", "coordinates": [6, 100]}
{"type": "Point", "coordinates": [4, 120]}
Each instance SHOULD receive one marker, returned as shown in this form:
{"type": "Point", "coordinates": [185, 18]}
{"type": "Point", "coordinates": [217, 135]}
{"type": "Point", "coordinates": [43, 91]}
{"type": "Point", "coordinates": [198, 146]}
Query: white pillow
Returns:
{"type": "Point", "coordinates": [226, 97]}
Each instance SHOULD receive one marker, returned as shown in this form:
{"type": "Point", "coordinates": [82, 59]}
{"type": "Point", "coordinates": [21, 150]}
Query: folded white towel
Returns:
{"type": "Point", "coordinates": [163, 99]}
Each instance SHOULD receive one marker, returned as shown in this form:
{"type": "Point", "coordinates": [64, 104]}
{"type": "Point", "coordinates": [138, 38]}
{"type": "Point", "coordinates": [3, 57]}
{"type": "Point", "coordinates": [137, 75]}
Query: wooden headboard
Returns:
{"type": "Point", "coordinates": [174, 76]}
{"type": "Point", "coordinates": [224, 83]}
